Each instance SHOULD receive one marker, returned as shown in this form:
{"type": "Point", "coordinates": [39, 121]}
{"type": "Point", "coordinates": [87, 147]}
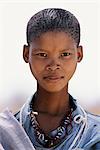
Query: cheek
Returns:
{"type": "Point", "coordinates": [36, 68]}
{"type": "Point", "coordinates": [70, 67]}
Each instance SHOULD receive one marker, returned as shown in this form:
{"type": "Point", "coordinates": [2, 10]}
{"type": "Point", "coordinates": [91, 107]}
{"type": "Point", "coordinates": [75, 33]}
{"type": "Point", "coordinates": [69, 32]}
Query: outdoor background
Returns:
{"type": "Point", "coordinates": [16, 81]}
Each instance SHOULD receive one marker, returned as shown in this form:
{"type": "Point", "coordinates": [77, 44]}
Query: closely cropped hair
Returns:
{"type": "Point", "coordinates": [53, 19]}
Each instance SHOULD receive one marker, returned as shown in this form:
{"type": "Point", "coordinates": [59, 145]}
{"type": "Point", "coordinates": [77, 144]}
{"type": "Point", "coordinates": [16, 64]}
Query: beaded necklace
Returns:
{"type": "Point", "coordinates": [54, 137]}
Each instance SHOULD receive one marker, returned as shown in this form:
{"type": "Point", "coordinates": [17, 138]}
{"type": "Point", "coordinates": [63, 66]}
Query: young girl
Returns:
{"type": "Point", "coordinates": [51, 119]}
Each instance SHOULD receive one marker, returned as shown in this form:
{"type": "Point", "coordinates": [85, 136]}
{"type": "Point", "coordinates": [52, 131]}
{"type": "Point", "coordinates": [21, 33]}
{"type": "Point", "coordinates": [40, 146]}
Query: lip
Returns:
{"type": "Point", "coordinates": [53, 78]}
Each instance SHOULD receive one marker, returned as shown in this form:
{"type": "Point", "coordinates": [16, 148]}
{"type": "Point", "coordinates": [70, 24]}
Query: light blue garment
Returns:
{"type": "Point", "coordinates": [86, 139]}
{"type": "Point", "coordinates": [85, 134]}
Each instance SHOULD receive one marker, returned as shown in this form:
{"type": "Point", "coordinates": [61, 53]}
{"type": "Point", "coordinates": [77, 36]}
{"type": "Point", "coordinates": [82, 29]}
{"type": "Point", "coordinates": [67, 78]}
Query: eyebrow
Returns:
{"type": "Point", "coordinates": [43, 50]}
{"type": "Point", "coordinates": [38, 49]}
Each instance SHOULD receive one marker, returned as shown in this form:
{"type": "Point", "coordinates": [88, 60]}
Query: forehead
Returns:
{"type": "Point", "coordinates": [53, 40]}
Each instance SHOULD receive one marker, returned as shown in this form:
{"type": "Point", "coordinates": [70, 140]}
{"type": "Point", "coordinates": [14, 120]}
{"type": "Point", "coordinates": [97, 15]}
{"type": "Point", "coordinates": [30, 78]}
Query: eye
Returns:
{"type": "Point", "coordinates": [65, 54]}
{"type": "Point", "coordinates": [42, 54]}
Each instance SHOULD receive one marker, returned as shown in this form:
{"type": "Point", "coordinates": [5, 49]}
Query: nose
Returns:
{"type": "Point", "coordinates": [52, 68]}
{"type": "Point", "coordinates": [53, 65]}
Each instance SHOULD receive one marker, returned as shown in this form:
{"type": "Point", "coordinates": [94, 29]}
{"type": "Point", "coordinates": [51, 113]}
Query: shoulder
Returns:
{"type": "Point", "coordinates": [91, 136]}
{"type": "Point", "coordinates": [93, 122]}
{"type": "Point", "coordinates": [92, 118]}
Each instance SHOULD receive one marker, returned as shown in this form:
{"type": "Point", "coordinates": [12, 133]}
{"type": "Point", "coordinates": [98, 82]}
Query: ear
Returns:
{"type": "Point", "coordinates": [26, 53]}
{"type": "Point", "coordinates": [79, 53]}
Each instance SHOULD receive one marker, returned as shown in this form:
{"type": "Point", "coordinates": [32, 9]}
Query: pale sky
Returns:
{"type": "Point", "coordinates": [15, 76]}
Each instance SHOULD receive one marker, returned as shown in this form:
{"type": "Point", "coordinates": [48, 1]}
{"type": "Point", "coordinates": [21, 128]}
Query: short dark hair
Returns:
{"type": "Point", "coordinates": [53, 19]}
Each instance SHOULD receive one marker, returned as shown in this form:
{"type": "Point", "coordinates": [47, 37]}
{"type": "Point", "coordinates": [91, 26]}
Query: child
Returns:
{"type": "Point", "coordinates": [51, 118]}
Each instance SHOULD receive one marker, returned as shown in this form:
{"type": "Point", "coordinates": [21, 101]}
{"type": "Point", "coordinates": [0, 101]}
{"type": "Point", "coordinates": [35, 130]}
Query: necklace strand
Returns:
{"type": "Point", "coordinates": [50, 140]}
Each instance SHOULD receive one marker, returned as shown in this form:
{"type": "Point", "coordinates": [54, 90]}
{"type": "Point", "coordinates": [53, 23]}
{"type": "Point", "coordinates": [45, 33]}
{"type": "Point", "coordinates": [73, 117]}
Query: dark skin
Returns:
{"type": "Point", "coordinates": [53, 59]}
{"type": "Point", "coordinates": [51, 110]}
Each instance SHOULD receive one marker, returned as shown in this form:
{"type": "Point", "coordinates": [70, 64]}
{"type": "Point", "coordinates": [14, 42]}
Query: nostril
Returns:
{"type": "Point", "coordinates": [48, 68]}
{"type": "Point", "coordinates": [58, 66]}
{"type": "Point", "coordinates": [53, 67]}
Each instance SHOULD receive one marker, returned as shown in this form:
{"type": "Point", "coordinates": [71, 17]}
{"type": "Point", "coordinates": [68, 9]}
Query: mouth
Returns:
{"type": "Point", "coordinates": [53, 78]}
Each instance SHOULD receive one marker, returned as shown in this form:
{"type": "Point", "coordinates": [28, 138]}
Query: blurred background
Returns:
{"type": "Point", "coordinates": [16, 81]}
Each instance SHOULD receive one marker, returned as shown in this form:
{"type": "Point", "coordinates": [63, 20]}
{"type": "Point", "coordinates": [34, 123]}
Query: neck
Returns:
{"type": "Point", "coordinates": [55, 103]}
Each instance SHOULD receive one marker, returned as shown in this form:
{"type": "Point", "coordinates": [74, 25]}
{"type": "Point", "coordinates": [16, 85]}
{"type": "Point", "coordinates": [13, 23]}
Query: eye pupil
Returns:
{"type": "Point", "coordinates": [43, 54]}
{"type": "Point", "coordinates": [65, 54]}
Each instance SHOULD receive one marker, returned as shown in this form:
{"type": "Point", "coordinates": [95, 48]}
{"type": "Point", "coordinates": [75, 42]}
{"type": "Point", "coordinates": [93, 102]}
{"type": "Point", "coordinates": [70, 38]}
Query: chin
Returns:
{"type": "Point", "coordinates": [54, 89]}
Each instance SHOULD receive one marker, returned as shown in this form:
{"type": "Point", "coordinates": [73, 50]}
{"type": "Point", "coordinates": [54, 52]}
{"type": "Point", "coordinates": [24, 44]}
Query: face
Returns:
{"type": "Point", "coordinates": [53, 59]}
